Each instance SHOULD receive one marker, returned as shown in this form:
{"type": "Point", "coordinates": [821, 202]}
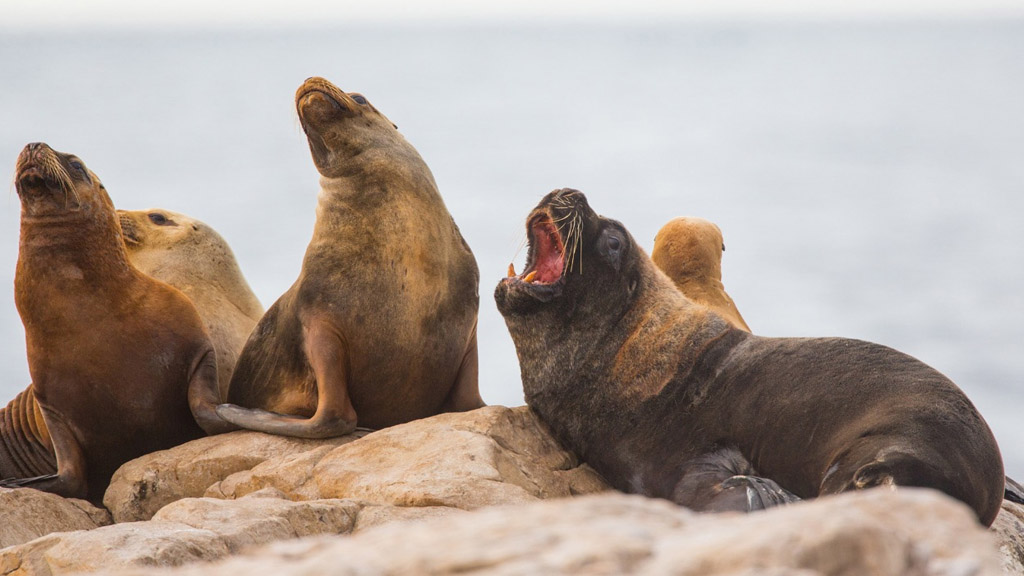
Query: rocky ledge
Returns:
{"type": "Point", "coordinates": [487, 491]}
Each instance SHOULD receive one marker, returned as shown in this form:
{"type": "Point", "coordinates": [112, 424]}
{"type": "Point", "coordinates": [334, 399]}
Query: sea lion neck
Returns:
{"type": "Point", "coordinates": [53, 247]}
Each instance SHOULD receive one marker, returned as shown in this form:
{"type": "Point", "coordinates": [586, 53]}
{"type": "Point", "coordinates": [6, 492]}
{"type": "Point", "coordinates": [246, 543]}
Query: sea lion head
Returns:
{"type": "Point", "coordinates": [578, 262]}
{"type": "Point", "coordinates": [158, 228]}
{"type": "Point", "coordinates": [51, 183]}
{"type": "Point", "coordinates": [689, 248]}
{"type": "Point", "coordinates": [341, 125]}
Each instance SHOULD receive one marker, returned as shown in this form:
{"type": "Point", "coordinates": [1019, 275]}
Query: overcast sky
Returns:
{"type": "Point", "coordinates": [35, 14]}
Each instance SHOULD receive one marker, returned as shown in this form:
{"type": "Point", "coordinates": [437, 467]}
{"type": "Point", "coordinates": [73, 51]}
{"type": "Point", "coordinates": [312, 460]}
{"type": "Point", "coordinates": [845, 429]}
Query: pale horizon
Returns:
{"type": "Point", "coordinates": [29, 15]}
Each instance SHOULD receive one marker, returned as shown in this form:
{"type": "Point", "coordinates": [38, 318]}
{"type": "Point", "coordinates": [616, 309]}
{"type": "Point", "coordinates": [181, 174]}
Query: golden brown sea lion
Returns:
{"type": "Point", "coordinates": [194, 258]}
{"type": "Point", "coordinates": [689, 250]}
{"type": "Point", "coordinates": [116, 357]}
{"type": "Point", "coordinates": [665, 398]}
{"type": "Point", "coordinates": [380, 326]}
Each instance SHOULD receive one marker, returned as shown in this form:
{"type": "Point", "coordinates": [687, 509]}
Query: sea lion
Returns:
{"type": "Point", "coordinates": [194, 258]}
{"type": "Point", "coordinates": [380, 327]}
{"type": "Point", "coordinates": [663, 397]}
{"type": "Point", "coordinates": [689, 250]}
{"type": "Point", "coordinates": [116, 357]}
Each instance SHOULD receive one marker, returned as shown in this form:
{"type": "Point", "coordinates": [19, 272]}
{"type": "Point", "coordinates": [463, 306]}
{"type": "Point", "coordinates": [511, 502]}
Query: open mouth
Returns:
{"type": "Point", "coordinates": [545, 261]}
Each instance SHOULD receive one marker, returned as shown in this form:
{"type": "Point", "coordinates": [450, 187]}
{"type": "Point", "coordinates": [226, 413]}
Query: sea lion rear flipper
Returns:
{"type": "Point", "coordinates": [465, 393]}
{"type": "Point", "coordinates": [334, 416]}
{"type": "Point", "coordinates": [204, 396]}
{"type": "Point", "coordinates": [1014, 492]}
{"type": "Point", "coordinates": [724, 481]}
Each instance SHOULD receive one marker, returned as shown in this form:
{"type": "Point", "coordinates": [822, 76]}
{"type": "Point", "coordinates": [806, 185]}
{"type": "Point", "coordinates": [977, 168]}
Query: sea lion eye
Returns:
{"type": "Point", "coordinates": [614, 243]}
{"type": "Point", "coordinates": [158, 219]}
{"type": "Point", "coordinates": [359, 98]}
{"type": "Point", "coordinates": [78, 166]}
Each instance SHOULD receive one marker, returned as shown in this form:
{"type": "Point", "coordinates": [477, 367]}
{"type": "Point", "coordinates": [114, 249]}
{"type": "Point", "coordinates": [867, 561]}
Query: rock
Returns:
{"type": "Point", "coordinates": [494, 455]}
{"type": "Point", "coordinates": [1009, 528]}
{"type": "Point", "coordinates": [26, 514]}
{"type": "Point", "coordinates": [150, 544]}
{"type": "Point", "coordinates": [250, 521]}
{"type": "Point", "coordinates": [142, 486]}
{"type": "Point", "coordinates": [877, 532]}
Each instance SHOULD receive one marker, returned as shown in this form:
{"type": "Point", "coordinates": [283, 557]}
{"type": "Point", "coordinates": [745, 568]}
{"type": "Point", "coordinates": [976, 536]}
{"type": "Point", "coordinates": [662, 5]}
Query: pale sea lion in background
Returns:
{"type": "Point", "coordinates": [380, 327]}
{"type": "Point", "coordinates": [194, 258]}
{"type": "Point", "coordinates": [689, 250]}
{"type": "Point", "coordinates": [116, 357]}
{"type": "Point", "coordinates": [665, 398]}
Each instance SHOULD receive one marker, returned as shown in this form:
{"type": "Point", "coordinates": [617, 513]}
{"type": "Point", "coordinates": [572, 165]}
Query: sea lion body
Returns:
{"type": "Point", "coordinates": [664, 397]}
{"type": "Point", "coordinates": [689, 251]}
{"type": "Point", "coordinates": [116, 357]}
{"type": "Point", "coordinates": [194, 258]}
{"type": "Point", "coordinates": [380, 326]}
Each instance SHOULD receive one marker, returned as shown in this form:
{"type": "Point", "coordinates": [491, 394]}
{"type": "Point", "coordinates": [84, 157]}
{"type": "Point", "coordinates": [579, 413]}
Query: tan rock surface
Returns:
{"type": "Point", "coordinates": [145, 485]}
{"type": "Point", "coordinates": [151, 544]}
{"type": "Point", "coordinates": [875, 532]}
{"type": "Point", "coordinates": [494, 455]}
{"type": "Point", "coordinates": [26, 514]}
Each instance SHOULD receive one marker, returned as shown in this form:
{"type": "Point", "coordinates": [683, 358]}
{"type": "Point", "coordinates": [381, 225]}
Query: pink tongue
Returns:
{"type": "Point", "coordinates": [549, 254]}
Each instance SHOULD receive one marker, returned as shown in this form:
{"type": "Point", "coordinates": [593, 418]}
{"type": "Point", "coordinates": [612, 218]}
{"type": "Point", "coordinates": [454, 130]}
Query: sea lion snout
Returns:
{"type": "Point", "coordinates": [43, 177]}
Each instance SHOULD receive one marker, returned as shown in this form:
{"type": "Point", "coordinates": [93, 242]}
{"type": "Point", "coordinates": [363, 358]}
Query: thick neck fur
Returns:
{"type": "Point", "coordinates": [607, 367]}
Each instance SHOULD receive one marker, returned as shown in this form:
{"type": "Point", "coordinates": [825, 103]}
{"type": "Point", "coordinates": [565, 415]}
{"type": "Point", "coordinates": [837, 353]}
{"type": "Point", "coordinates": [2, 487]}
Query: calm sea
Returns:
{"type": "Point", "coordinates": [868, 177]}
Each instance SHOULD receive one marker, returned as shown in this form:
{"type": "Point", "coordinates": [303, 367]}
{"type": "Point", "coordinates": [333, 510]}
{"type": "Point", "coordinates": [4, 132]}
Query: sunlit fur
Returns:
{"type": "Point", "coordinates": [689, 250]}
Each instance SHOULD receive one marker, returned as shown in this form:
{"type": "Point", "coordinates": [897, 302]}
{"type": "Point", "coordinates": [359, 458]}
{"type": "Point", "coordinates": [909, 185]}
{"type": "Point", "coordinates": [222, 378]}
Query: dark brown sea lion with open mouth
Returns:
{"type": "Point", "coordinates": [665, 398]}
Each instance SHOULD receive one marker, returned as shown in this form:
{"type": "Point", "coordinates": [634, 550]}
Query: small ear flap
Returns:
{"type": "Point", "coordinates": [723, 246]}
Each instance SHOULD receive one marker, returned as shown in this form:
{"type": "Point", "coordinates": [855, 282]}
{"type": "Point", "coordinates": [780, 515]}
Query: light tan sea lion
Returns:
{"type": "Point", "coordinates": [689, 250]}
{"type": "Point", "coordinates": [194, 258]}
{"type": "Point", "coordinates": [665, 398]}
{"type": "Point", "coordinates": [380, 327]}
{"type": "Point", "coordinates": [116, 357]}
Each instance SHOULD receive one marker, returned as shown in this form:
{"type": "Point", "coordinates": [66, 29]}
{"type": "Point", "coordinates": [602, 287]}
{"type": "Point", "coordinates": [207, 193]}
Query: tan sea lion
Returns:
{"type": "Point", "coordinates": [689, 250]}
{"type": "Point", "coordinates": [194, 258]}
{"type": "Point", "coordinates": [116, 357]}
{"type": "Point", "coordinates": [380, 327]}
{"type": "Point", "coordinates": [665, 398]}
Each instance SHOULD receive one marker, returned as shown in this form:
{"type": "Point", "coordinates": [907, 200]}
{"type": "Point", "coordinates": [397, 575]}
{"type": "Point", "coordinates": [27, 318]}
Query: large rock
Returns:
{"type": "Point", "coordinates": [143, 486]}
{"type": "Point", "coordinates": [494, 455]}
{"type": "Point", "coordinates": [876, 532]}
{"type": "Point", "coordinates": [26, 514]}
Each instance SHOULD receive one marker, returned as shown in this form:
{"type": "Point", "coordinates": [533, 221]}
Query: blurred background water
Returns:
{"type": "Point", "coordinates": [867, 175]}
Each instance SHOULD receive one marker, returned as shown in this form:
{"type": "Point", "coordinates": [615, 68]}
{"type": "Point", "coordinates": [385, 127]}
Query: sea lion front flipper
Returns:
{"type": "Point", "coordinates": [70, 480]}
{"type": "Point", "coordinates": [335, 416]}
{"type": "Point", "coordinates": [724, 481]}
{"type": "Point", "coordinates": [465, 393]}
{"type": "Point", "coordinates": [204, 396]}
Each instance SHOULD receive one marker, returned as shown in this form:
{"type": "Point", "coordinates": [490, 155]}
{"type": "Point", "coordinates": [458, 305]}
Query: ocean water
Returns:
{"type": "Point", "coordinates": [868, 177]}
